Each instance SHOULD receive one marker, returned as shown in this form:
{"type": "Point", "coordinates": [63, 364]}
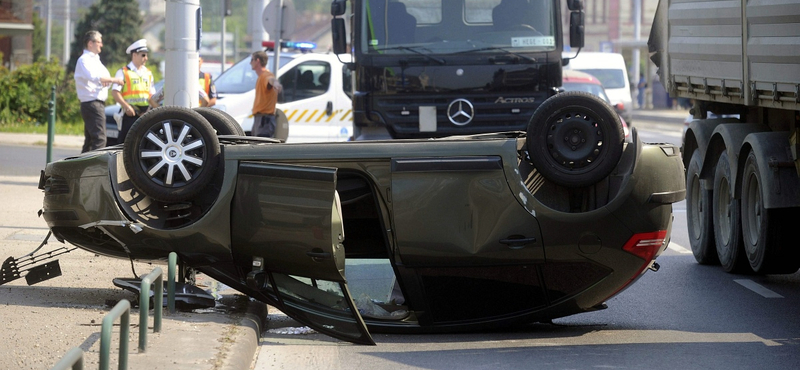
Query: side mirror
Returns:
{"type": "Point", "coordinates": [338, 7]}
{"type": "Point", "coordinates": [339, 35]}
{"type": "Point", "coordinates": [576, 29]}
{"type": "Point", "coordinates": [575, 5]}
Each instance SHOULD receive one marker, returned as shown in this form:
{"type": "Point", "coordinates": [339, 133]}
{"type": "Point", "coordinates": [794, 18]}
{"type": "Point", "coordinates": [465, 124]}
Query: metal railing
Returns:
{"type": "Point", "coordinates": [123, 311]}
{"type": "Point", "coordinates": [74, 358]}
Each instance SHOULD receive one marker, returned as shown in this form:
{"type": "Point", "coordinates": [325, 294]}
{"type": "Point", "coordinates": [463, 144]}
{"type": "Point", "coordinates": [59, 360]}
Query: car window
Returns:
{"type": "Point", "coordinates": [241, 78]}
{"type": "Point", "coordinates": [306, 80]}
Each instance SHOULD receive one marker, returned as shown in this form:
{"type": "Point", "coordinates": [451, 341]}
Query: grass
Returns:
{"type": "Point", "coordinates": [62, 128]}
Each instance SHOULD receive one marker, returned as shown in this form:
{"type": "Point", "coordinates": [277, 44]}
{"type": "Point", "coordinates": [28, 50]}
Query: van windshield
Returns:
{"type": "Point", "coordinates": [610, 78]}
{"type": "Point", "coordinates": [446, 27]}
{"type": "Point", "coordinates": [241, 78]}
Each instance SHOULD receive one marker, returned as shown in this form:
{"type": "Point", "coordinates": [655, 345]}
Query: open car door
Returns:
{"type": "Point", "coordinates": [288, 218]}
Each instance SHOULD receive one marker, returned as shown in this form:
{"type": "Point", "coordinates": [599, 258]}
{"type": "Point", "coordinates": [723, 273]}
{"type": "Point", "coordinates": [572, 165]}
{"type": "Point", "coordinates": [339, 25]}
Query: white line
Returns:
{"type": "Point", "coordinates": [678, 248]}
{"type": "Point", "coordinates": [758, 288]}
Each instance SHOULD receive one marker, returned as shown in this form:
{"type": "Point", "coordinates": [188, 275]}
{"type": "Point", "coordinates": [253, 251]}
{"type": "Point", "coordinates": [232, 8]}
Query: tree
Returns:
{"type": "Point", "coordinates": [119, 21]}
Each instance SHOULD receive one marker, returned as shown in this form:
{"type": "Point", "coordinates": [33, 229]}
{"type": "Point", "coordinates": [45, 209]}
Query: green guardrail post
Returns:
{"type": "Point", "coordinates": [122, 310]}
{"type": "Point", "coordinates": [51, 124]}
{"type": "Point", "coordinates": [144, 305]}
{"type": "Point", "coordinates": [72, 359]}
{"type": "Point", "coordinates": [173, 260]}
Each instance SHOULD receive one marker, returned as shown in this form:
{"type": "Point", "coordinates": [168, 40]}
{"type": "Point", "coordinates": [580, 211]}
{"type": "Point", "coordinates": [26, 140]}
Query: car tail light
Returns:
{"type": "Point", "coordinates": [645, 245]}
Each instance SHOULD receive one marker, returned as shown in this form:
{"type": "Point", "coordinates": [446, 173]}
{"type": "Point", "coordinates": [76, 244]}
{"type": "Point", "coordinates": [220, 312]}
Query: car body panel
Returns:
{"type": "Point", "coordinates": [453, 218]}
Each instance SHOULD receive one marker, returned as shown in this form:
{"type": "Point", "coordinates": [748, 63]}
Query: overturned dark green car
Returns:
{"type": "Point", "coordinates": [459, 233]}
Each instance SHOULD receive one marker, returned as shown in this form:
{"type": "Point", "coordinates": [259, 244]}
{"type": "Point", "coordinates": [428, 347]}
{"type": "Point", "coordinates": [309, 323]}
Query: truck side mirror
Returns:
{"type": "Point", "coordinates": [575, 5]}
{"type": "Point", "coordinates": [576, 29]}
{"type": "Point", "coordinates": [339, 36]}
{"type": "Point", "coordinates": [338, 7]}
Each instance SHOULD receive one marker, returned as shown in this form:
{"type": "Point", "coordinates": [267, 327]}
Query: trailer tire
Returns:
{"type": "Point", "coordinates": [767, 234]}
{"type": "Point", "coordinates": [164, 146]}
{"type": "Point", "coordinates": [698, 214]}
{"type": "Point", "coordinates": [575, 139]}
{"type": "Point", "coordinates": [727, 223]}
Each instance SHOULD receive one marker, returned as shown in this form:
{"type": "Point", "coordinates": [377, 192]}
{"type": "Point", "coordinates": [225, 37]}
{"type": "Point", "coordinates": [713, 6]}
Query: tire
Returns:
{"type": "Point", "coordinates": [171, 154]}
{"type": "Point", "coordinates": [727, 224]}
{"type": "Point", "coordinates": [767, 233]}
{"type": "Point", "coordinates": [221, 121]}
{"type": "Point", "coordinates": [698, 214]}
{"type": "Point", "coordinates": [575, 139]}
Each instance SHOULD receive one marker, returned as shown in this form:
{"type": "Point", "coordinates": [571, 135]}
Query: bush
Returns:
{"type": "Point", "coordinates": [25, 94]}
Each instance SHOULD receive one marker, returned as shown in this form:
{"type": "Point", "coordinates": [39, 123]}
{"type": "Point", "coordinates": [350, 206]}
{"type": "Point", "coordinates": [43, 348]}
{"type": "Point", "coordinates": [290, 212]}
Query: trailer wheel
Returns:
{"type": "Point", "coordinates": [171, 153]}
{"type": "Point", "coordinates": [222, 122]}
{"type": "Point", "coordinates": [575, 139]}
{"type": "Point", "coordinates": [698, 214]}
{"type": "Point", "coordinates": [767, 233]}
{"type": "Point", "coordinates": [727, 224]}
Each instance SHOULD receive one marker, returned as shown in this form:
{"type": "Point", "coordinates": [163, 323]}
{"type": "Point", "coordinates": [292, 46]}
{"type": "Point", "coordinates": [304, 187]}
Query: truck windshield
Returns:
{"type": "Point", "coordinates": [456, 26]}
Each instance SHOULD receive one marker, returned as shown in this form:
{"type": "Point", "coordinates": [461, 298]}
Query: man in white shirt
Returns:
{"type": "Point", "coordinates": [134, 95]}
{"type": "Point", "coordinates": [91, 82]}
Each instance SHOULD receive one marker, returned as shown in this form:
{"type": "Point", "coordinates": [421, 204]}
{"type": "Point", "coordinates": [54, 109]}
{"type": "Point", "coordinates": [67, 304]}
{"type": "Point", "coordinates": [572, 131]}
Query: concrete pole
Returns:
{"type": "Point", "coordinates": [222, 38]}
{"type": "Point", "coordinates": [277, 38]}
{"type": "Point", "coordinates": [181, 46]}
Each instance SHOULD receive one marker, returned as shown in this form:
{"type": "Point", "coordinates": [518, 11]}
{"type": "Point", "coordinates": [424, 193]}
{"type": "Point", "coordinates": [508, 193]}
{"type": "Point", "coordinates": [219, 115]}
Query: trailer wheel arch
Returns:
{"type": "Point", "coordinates": [776, 169]}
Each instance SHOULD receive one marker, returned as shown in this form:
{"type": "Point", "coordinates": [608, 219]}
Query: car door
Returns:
{"type": "Point", "coordinates": [288, 219]}
{"type": "Point", "coordinates": [312, 101]}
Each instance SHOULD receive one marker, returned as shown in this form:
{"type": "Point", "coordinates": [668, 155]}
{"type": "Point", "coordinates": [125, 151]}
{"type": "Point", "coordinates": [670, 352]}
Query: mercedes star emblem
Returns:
{"type": "Point", "coordinates": [460, 112]}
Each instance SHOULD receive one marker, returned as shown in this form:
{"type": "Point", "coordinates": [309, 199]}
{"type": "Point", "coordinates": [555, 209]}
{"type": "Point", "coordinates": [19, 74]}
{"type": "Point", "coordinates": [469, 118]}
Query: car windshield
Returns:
{"type": "Point", "coordinates": [585, 87]}
{"type": "Point", "coordinates": [610, 78]}
{"type": "Point", "coordinates": [446, 27]}
{"type": "Point", "coordinates": [240, 77]}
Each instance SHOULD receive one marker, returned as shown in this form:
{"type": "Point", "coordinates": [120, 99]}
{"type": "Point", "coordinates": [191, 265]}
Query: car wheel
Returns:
{"type": "Point", "coordinates": [766, 231]}
{"type": "Point", "coordinates": [575, 139]}
{"type": "Point", "coordinates": [171, 154]}
{"type": "Point", "coordinates": [221, 121]}
{"type": "Point", "coordinates": [698, 214]}
{"type": "Point", "coordinates": [727, 224]}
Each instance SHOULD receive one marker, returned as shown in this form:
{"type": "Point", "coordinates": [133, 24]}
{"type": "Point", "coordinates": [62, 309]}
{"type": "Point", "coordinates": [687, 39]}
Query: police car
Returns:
{"type": "Point", "coordinates": [316, 95]}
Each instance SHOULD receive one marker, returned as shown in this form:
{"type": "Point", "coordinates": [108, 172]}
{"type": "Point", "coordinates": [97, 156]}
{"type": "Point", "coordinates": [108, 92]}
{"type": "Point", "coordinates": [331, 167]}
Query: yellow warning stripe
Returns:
{"type": "Point", "coordinates": [315, 115]}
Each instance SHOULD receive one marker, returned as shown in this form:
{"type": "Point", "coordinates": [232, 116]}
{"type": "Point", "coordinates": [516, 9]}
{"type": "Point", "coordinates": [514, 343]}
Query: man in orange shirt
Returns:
{"type": "Point", "coordinates": [267, 89]}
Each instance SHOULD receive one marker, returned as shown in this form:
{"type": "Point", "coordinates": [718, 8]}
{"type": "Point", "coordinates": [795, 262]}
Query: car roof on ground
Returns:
{"type": "Point", "coordinates": [569, 75]}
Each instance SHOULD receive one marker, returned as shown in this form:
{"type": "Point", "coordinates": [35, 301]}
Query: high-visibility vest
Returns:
{"type": "Point", "coordinates": [136, 90]}
{"type": "Point", "coordinates": [205, 83]}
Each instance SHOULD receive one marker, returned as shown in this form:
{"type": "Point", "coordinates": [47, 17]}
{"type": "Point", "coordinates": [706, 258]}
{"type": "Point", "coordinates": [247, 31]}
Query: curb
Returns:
{"type": "Point", "coordinates": [242, 353]}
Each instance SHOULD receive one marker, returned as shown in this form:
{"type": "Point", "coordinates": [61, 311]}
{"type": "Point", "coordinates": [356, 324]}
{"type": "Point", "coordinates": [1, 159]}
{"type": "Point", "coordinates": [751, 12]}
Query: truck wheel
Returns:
{"type": "Point", "coordinates": [698, 214]}
{"type": "Point", "coordinates": [171, 153]}
{"type": "Point", "coordinates": [221, 121]}
{"type": "Point", "coordinates": [727, 224]}
{"type": "Point", "coordinates": [575, 139]}
{"type": "Point", "coordinates": [766, 231]}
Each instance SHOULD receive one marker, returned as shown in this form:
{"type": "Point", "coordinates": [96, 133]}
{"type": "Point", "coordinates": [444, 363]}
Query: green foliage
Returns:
{"type": "Point", "coordinates": [26, 91]}
{"type": "Point", "coordinates": [40, 39]}
{"type": "Point", "coordinates": [118, 21]}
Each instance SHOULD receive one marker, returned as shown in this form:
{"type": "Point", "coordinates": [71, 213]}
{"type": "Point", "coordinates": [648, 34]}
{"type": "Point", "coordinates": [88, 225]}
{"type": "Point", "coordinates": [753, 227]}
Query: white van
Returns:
{"type": "Point", "coordinates": [315, 98]}
{"type": "Point", "coordinates": [610, 69]}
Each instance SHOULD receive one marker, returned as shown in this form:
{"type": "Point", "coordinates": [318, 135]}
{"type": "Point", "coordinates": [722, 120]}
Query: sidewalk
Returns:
{"type": "Point", "coordinates": [62, 141]}
{"type": "Point", "coordinates": [660, 115]}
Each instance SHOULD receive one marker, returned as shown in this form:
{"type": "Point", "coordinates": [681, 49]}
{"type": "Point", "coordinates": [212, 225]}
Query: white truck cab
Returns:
{"type": "Point", "coordinates": [316, 96]}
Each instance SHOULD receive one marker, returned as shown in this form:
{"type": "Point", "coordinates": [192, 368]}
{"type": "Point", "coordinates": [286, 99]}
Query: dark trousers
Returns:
{"type": "Point", "coordinates": [94, 125]}
{"type": "Point", "coordinates": [263, 125]}
{"type": "Point", "coordinates": [127, 121]}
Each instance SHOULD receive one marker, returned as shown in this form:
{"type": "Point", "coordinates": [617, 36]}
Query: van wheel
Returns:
{"type": "Point", "coordinates": [575, 139]}
{"type": "Point", "coordinates": [221, 121]}
{"type": "Point", "coordinates": [171, 153]}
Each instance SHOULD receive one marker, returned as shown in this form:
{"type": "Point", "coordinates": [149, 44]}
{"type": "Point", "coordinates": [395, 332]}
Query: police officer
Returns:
{"type": "Point", "coordinates": [134, 94]}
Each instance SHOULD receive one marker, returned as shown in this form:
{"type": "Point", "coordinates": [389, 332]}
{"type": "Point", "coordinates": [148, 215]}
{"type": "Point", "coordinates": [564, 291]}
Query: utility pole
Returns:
{"type": "Point", "coordinates": [49, 23]}
{"type": "Point", "coordinates": [637, 36]}
{"type": "Point", "coordinates": [67, 33]}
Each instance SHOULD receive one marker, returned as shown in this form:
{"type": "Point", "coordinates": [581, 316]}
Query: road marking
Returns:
{"type": "Point", "coordinates": [678, 248]}
{"type": "Point", "coordinates": [758, 288]}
